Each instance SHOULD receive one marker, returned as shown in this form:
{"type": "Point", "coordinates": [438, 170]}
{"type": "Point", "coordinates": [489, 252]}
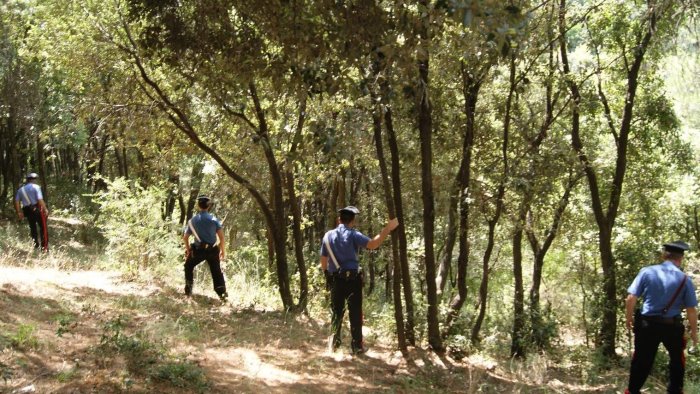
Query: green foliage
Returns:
{"type": "Point", "coordinates": [130, 219]}
{"type": "Point", "coordinates": [458, 346]}
{"type": "Point", "coordinates": [67, 376]}
{"type": "Point", "coordinates": [544, 330]}
{"type": "Point", "coordinates": [25, 337]}
{"type": "Point", "coordinates": [181, 373]}
{"type": "Point", "coordinates": [146, 358]}
{"type": "Point", "coordinates": [5, 372]}
{"type": "Point", "coordinates": [65, 324]}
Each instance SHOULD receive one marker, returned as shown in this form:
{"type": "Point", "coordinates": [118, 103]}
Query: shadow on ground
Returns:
{"type": "Point", "coordinates": [87, 332]}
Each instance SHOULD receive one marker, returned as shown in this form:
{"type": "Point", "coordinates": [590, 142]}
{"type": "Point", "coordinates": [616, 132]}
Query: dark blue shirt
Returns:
{"type": "Point", "coordinates": [205, 224]}
{"type": "Point", "coordinates": [345, 243]}
{"type": "Point", "coordinates": [33, 192]}
{"type": "Point", "coordinates": [657, 284]}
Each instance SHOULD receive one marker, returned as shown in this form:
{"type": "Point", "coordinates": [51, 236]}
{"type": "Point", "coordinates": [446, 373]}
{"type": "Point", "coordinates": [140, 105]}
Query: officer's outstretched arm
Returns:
{"type": "Point", "coordinates": [379, 238]}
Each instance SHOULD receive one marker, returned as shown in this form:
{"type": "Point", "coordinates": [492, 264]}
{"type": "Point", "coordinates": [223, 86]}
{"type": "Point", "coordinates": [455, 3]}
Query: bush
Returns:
{"type": "Point", "coordinates": [150, 359]}
{"type": "Point", "coordinates": [130, 218]}
{"type": "Point", "coordinates": [25, 338]}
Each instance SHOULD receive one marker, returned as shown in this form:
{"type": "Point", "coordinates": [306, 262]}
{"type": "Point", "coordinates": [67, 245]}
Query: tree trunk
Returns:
{"type": "Point", "coordinates": [400, 231]}
{"type": "Point", "coordinates": [425, 129]}
{"type": "Point", "coordinates": [99, 182]}
{"type": "Point", "coordinates": [450, 237]}
{"type": "Point", "coordinates": [195, 185]}
{"type": "Point", "coordinates": [398, 309]}
{"type": "Point", "coordinates": [41, 166]}
{"type": "Point", "coordinates": [605, 218]}
{"type": "Point", "coordinates": [483, 288]}
{"type": "Point", "coordinates": [296, 213]}
{"type": "Point", "coordinates": [517, 346]}
{"type": "Point", "coordinates": [471, 85]}
{"type": "Point", "coordinates": [278, 213]}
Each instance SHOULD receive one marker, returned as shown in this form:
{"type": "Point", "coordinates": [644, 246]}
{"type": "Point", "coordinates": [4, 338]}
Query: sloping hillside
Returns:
{"type": "Point", "coordinates": [89, 331]}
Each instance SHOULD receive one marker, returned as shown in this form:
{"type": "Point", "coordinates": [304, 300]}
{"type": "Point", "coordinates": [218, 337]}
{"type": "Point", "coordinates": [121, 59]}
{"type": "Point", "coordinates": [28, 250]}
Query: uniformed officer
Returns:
{"type": "Point", "coordinates": [340, 263]}
{"type": "Point", "coordinates": [34, 209]}
{"type": "Point", "coordinates": [208, 245]}
{"type": "Point", "coordinates": [666, 291]}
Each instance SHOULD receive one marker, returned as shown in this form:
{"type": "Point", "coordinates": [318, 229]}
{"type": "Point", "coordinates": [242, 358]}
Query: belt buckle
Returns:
{"type": "Point", "coordinates": [347, 274]}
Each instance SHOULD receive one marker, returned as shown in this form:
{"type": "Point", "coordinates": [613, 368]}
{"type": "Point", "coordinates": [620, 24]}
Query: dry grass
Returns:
{"type": "Point", "coordinates": [237, 347]}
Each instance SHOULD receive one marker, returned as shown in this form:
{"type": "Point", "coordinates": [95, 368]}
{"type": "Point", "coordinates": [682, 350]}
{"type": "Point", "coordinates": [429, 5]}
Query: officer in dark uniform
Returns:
{"type": "Point", "coordinates": [34, 209]}
{"type": "Point", "coordinates": [340, 264]}
{"type": "Point", "coordinates": [666, 291]}
{"type": "Point", "coordinates": [206, 229]}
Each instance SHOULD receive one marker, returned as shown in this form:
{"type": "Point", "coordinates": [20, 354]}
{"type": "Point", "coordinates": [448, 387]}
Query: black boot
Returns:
{"type": "Point", "coordinates": [188, 289]}
{"type": "Point", "coordinates": [223, 297]}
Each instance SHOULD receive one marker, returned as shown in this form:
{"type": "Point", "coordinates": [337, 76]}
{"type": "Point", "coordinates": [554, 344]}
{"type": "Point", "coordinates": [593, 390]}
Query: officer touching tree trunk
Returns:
{"type": "Point", "coordinates": [208, 245]}
{"type": "Point", "coordinates": [343, 272]}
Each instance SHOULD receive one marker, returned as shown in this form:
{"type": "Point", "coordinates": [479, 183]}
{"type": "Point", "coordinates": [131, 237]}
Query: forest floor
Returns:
{"type": "Point", "coordinates": [93, 332]}
{"type": "Point", "coordinates": [70, 330]}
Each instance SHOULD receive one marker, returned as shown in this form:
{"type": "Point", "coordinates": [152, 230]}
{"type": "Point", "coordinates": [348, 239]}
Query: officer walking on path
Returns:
{"type": "Point", "coordinates": [208, 245]}
{"type": "Point", "coordinates": [341, 245]}
{"type": "Point", "coordinates": [666, 291]}
{"type": "Point", "coordinates": [34, 209]}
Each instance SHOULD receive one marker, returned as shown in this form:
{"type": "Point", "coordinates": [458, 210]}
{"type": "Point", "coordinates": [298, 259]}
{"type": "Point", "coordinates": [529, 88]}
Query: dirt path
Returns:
{"type": "Point", "coordinates": [88, 331]}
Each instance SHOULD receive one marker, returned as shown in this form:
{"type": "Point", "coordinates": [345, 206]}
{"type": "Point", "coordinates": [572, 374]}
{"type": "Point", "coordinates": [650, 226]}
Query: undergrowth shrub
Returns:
{"type": "Point", "coordinates": [146, 358]}
{"type": "Point", "coordinates": [25, 337]}
{"type": "Point", "coordinates": [131, 221]}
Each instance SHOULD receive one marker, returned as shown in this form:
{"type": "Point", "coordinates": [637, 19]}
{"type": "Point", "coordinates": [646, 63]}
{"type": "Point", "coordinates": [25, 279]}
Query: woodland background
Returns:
{"type": "Point", "coordinates": [537, 153]}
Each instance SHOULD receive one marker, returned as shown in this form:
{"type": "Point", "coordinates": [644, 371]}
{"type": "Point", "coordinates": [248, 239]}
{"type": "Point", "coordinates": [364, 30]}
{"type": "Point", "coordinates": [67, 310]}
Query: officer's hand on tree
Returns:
{"type": "Point", "coordinates": [392, 224]}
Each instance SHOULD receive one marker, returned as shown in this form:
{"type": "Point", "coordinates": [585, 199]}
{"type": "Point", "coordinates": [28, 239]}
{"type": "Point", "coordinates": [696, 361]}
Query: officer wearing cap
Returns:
{"type": "Point", "coordinates": [666, 291]}
{"type": "Point", "coordinates": [208, 245]}
{"type": "Point", "coordinates": [34, 209]}
{"type": "Point", "coordinates": [342, 268]}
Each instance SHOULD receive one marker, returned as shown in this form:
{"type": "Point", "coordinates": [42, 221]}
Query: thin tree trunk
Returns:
{"type": "Point", "coordinates": [41, 165]}
{"type": "Point", "coordinates": [483, 288]}
{"type": "Point", "coordinates": [296, 213]}
{"type": "Point", "coordinates": [425, 129]}
{"type": "Point", "coordinates": [517, 346]}
{"type": "Point", "coordinates": [400, 231]}
{"type": "Point", "coordinates": [398, 308]}
{"type": "Point", "coordinates": [195, 185]}
{"type": "Point", "coordinates": [471, 85]}
{"type": "Point", "coordinates": [450, 238]}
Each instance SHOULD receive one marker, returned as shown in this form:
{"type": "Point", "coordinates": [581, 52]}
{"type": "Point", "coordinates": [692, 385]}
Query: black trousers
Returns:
{"type": "Point", "coordinates": [347, 289]}
{"type": "Point", "coordinates": [37, 225]}
{"type": "Point", "coordinates": [647, 337]}
{"type": "Point", "coordinates": [211, 255]}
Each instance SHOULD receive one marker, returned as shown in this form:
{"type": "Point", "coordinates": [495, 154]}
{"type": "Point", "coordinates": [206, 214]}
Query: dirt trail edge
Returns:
{"type": "Point", "coordinates": [89, 331]}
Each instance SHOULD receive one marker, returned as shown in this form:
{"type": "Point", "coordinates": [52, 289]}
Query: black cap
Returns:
{"type": "Point", "coordinates": [32, 175]}
{"type": "Point", "coordinates": [349, 209]}
{"type": "Point", "coordinates": [676, 247]}
{"type": "Point", "coordinates": [204, 201]}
